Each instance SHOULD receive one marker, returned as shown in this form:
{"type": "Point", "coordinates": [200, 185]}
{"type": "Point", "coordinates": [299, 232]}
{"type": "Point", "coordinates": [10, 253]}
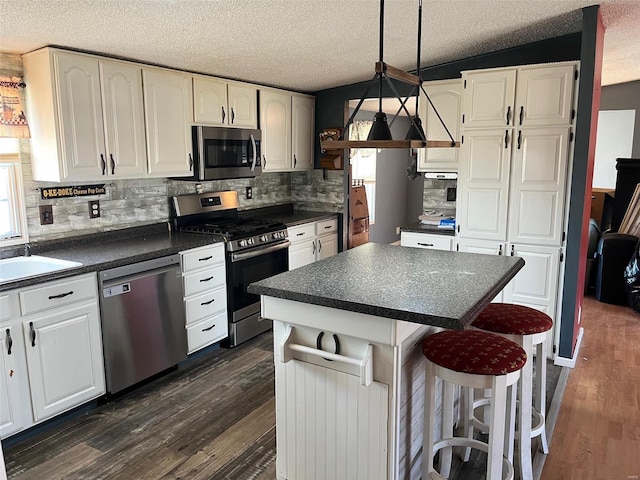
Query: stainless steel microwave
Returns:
{"type": "Point", "coordinates": [220, 153]}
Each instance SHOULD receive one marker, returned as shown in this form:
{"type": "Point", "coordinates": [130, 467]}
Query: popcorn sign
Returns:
{"type": "Point", "coordinates": [78, 191]}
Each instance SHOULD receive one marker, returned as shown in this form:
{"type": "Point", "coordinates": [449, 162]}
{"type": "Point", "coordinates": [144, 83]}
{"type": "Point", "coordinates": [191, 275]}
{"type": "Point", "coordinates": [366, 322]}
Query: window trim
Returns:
{"type": "Point", "coordinates": [20, 215]}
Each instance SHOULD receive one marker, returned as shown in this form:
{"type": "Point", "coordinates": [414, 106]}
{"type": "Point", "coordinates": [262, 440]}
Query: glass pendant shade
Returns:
{"type": "Point", "coordinates": [415, 130]}
{"type": "Point", "coordinates": [380, 128]}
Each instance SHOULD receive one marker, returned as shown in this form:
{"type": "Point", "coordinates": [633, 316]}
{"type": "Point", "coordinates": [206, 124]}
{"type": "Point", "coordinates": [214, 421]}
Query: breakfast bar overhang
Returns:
{"type": "Point", "coordinates": [347, 351]}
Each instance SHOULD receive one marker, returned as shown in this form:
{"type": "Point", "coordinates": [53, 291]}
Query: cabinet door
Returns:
{"type": "Point", "coordinates": [243, 106]}
{"type": "Point", "coordinates": [483, 184]}
{"type": "Point", "coordinates": [301, 254]}
{"type": "Point", "coordinates": [15, 414]}
{"type": "Point", "coordinates": [326, 246]}
{"type": "Point", "coordinates": [124, 119]}
{"type": "Point", "coordinates": [210, 101]}
{"type": "Point", "coordinates": [485, 247]}
{"type": "Point", "coordinates": [488, 98]}
{"type": "Point", "coordinates": [536, 285]}
{"type": "Point", "coordinates": [275, 123]}
{"type": "Point", "coordinates": [168, 113]}
{"type": "Point", "coordinates": [303, 112]}
{"type": "Point", "coordinates": [447, 98]}
{"type": "Point", "coordinates": [544, 96]}
{"type": "Point", "coordinates": [64, 356]}
{"type": "Point", "coordinates": [80, 116]}
{"type": "Point", "coordinates": [538, 184]}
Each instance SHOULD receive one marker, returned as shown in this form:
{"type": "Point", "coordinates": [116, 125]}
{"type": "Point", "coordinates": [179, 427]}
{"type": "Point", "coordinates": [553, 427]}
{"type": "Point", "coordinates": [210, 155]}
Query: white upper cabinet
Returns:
{"type": "Point", "coordinates": [538, 179]}
{"type": "Point", "coordinates": [303, 121]}
{"type": "Point", "coordinates": [221, 103]}
{"type": "Point", "coordinates": [86, 117]}
{"type": "Point", "coordinates": [447, 98]}
{"type": "Point", "coordinates": [530, 96]}
{"type": "Point", "coordinates": [168, 114]}
{"type": "Point", "coordinates": [123, 119]}
{"type": "Point", "coordinates": [287, 122]}
{"type": "Point", "coordinates": [488, 98]}
{"type": "Point", "coordinates": [544, 96]}
{"type": "Point", "coordinates": [483, 184]}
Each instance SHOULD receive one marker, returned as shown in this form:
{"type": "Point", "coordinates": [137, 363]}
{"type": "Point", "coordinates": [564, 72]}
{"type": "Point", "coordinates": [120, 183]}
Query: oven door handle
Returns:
{"type": "Point", "coordinates": [255, 152]}
{"type": "Point", "coordinates": [236, 257]}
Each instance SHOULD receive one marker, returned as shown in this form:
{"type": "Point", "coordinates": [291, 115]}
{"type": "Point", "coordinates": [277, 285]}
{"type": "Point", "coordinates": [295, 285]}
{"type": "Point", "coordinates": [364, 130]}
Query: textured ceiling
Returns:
{"type": "Point", "coordinates": [309, 45]}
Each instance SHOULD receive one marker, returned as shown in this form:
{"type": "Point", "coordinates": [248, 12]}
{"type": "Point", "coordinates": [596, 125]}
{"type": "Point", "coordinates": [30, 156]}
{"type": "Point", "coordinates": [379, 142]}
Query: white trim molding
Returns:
{"type": "Point", "coordinates": [571, 362]}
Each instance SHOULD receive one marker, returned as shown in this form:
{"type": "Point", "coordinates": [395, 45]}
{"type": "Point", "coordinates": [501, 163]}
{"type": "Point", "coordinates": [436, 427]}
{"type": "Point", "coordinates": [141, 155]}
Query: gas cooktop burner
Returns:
{"type": "Point", "coordinates": [235, 228]}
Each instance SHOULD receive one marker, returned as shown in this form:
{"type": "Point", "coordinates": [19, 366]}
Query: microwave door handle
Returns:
{"type": "Point", "coordinates": [255, 152]}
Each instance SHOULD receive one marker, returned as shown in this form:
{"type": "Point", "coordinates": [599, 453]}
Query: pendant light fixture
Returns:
{"type": "Point", "coordinates": [380, 134]}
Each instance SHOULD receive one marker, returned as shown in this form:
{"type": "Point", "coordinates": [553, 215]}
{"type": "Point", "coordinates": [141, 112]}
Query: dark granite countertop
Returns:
{"type": "Point", "coordinates": [430, 287]}
{"type": "Point", "coordinates": [98, 252]}
{"type": "Point", "coordinates": [287, 215]}
{"type": "Point", "coordinates": [417, 227]}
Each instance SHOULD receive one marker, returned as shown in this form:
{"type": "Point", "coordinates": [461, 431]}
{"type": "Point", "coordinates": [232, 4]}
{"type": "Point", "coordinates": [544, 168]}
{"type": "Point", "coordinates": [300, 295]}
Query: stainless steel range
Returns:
{"type": "Point", "coordinates": [255, 249]}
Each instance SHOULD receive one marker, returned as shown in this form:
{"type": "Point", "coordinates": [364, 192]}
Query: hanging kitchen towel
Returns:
{"type": "Point", "coordinates": [13, 121]}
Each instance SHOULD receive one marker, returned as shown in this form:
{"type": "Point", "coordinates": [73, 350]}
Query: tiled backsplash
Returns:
{"type": "Point", "coordinates": [310, 191]}
{"type": "Point", "coordinates": [434, 195]}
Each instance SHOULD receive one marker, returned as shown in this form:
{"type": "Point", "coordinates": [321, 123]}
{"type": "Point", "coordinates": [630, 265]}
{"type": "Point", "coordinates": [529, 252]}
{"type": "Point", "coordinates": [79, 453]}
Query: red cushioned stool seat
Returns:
{"type": "Point", "coordinates": [474, 352]}
{"type": "Point", "coordinates": [512, 319]}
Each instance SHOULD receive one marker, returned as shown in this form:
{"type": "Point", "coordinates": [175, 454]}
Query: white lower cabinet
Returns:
{"type": "Point", "coordinates": [205, 295]}
{"type": "Point", "coordinates": [56, 362]}
{"type": "Point", "coordinates": [426, 240]}
{"type": "Point", "coordinates": [312, 241]}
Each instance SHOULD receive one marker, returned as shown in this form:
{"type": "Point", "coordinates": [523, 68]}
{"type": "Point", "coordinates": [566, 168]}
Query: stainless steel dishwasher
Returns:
{"type": "Point", "coordinates": [143, 320]}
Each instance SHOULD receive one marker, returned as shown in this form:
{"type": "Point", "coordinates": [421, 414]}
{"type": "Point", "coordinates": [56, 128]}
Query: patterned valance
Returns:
{"type": "Point", "coordinates": [359, 130]}
{"type": "Point", "coordinates": [13, 121]}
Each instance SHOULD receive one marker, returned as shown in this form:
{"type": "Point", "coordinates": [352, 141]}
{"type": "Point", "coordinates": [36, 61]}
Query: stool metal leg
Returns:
{"type": "Point", "coordinates": [428, 430]}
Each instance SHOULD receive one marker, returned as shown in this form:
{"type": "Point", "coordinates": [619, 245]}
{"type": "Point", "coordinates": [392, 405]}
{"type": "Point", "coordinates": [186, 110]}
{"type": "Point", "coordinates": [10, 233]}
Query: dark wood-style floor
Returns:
{"type": "Point", "coordinates": [597, 434]}
{"type": "Point", "coordinates": [214, 419]}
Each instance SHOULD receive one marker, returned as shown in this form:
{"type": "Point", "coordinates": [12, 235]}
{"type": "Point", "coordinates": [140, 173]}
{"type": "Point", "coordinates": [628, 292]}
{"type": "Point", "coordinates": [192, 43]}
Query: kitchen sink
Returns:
{"type": "Point", "coordinates": [22, 267]}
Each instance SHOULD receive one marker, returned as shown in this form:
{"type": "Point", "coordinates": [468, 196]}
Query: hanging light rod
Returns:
{"type": "Point", "coordinates": [380, 135]}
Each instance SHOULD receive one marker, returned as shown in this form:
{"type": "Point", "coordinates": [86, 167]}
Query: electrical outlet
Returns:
{"type": "Point", "coordinates": [249, 193]}
{"type": "Point", "coordinates": [397, 230]}
{"type": "Point", "coordinates": [94, 208]}
{"type": "Point", "coordinates": [451, 194]}
{"type": "Point", "coordinates": [46, 214]}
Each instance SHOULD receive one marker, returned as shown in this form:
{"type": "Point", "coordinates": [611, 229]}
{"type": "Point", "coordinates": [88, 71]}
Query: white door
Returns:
{"type": "Point", "coordinates": [80, 111]}
{"type": "Point", "coordinates": [447, 98]}
{"type": "Point", "coordinates": [123, 119]}
{"type": "Point", "coordinates": [536, 284]}
{"type": "Point", "coordinates": [303, 124]}
{"type": "Point", "coordinates": [64, 356]}
{"type": "Point", "coordinates": [15, 411]}
{"type": "Point", "coordinates": [168, 114]}
{"type": "Point", "coordinates": [489, 98]}
{"type": "Point", "coordinates": [210, 101]}
{"type": "Point", "coordinates": [484, 247]}
{"type": "Point", "coordinates": [301, 254]}
{"type": "Point", "coordinates": [544, 96]}
{"type": "Point", "coordinates": [243, 106]}
{"type": "Point", "coordinates": [326, 246]}
{"type": "Point", "coordinates": [483, 183]}
{"type": "Point", "coordinates": [538, 184]}
{"type": "Point", "coordinates": [275, 123]}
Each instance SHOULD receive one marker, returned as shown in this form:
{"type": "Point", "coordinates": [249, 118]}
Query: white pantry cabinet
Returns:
{"type": "Point", "coordinates": [485, 247]}
{"type": "Point", "coordinates": [168, 114]}
{"type": "Point", "coordinates": [312, 241]}
{"type": "Point", "coordinates": [426, 240]}
{"type": "Point", "coordinates": [446, 95]}
{"type": "Point", "coordinates": [205, 295]}
{"type": "Point", "coordinates": [222, 103]}
{"type": "Point", "coordinates": [60, 347]}
{"type": "Point", "coordinates": [287, 122]}
{"type": "Point", "coordinates": [86, 117]}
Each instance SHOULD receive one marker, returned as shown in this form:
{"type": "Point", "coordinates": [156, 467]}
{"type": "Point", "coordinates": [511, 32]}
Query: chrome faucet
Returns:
{"type": "Point", "coordinates": [27, 250]}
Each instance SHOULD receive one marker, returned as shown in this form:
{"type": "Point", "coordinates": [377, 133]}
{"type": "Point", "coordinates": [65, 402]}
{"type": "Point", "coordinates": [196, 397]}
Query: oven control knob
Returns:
{"type": "Point", "coordinates": [275, 235]}
{"type": "Point", "coordinates": [242, 243]}
{"type": "Point", "coordinates": [250, 241]}
{"type": "Point", "coordinates": [263, 238]}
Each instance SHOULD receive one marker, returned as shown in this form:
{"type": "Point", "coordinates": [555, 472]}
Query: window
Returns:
{"type": "Point", "coordinates": [13, 221]}
{"type": "Point", "coordinates": [363, 165]}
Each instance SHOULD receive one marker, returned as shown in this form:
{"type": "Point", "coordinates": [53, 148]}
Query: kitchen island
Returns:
{"type": "Point", "coordinates": [349, 367]}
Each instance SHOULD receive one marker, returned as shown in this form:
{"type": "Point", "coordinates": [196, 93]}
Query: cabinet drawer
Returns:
{"type": "Point", "coordinates": [203, 280]}
{"type": "Point", "coordinates": [202, 257]}
{"type": "Point", "coordinates": [5, 308]}
{"type": "Point", "coordinates": [56, 294]}
{"type": "Point", "coordinates": [207, 332]}
{"type": "Point", "coordinates": [300, 233]}
{"type": "Point", "coordinates": [326, 226]}
{"type": "Point", "coordinates": [206, 305]}
{"type": "Point", "coordinates": [422, 240]}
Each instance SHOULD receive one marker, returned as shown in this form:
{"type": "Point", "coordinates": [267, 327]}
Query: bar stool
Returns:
{"type": "Point", "coordinates": [475, 359]}
{"type": "Point", "coordinates": [527, 327]}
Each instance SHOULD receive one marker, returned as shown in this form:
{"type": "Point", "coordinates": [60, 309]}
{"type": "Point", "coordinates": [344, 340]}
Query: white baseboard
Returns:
{"type": "Point", "coordinates": [571, 362]}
